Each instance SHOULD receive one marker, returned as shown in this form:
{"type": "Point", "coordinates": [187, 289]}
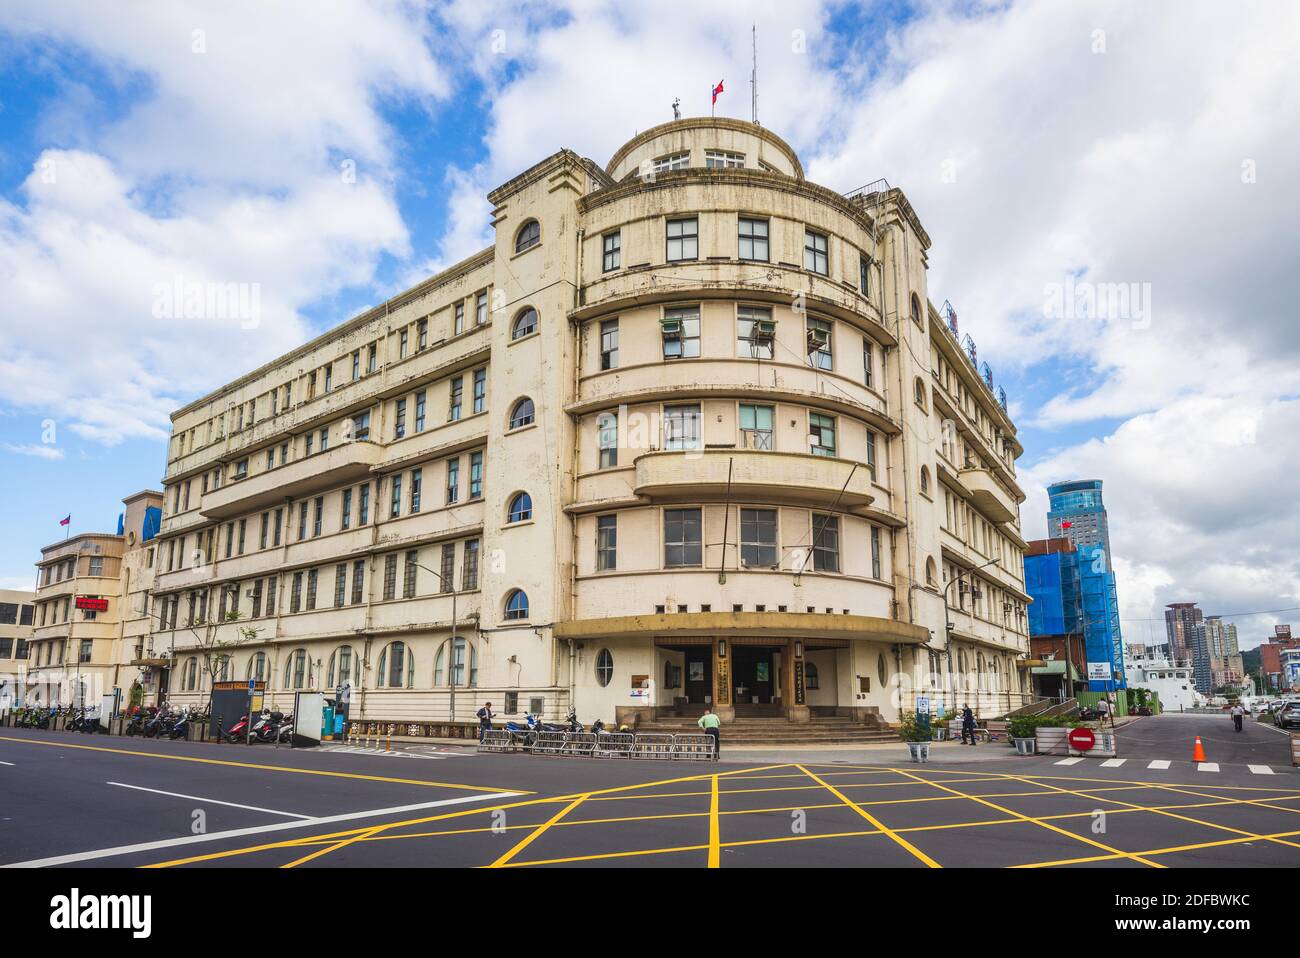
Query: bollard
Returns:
{"type": "Point", "coordinates": [221, 729]}
{"type": "Point", "coordinates": [389, 745]}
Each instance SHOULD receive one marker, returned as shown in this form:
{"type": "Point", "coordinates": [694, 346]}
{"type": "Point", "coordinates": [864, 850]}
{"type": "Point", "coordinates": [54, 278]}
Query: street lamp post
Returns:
{"type": "Point", "coordinates": [451, 650]}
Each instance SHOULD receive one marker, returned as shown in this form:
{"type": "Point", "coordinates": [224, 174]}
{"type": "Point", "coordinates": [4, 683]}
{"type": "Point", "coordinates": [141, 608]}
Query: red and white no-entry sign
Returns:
{"type": "Point", "coordinates": [1082, 739]}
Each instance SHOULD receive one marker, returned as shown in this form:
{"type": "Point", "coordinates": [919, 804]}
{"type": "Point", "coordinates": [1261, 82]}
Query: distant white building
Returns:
{"type": "Point", "coordinates": [1172, 683]}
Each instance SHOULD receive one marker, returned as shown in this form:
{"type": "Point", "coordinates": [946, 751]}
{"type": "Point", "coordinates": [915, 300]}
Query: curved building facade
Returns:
{"type": "Point", "coordinates": [688, 433]}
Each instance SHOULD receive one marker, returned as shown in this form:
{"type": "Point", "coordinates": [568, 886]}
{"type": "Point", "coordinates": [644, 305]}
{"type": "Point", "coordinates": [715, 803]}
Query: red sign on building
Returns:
{"type": "Point", "coordinates": [91, 604]}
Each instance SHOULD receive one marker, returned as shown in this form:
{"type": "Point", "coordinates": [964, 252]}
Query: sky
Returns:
{"type": "Point", "coordinates": [1110, 189]}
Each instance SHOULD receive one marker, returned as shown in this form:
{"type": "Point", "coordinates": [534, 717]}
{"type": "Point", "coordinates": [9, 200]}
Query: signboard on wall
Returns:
{"type": "Point", "coordinates": [1099, 672]}
{"type": "Point", "coordinates": [90, 604]}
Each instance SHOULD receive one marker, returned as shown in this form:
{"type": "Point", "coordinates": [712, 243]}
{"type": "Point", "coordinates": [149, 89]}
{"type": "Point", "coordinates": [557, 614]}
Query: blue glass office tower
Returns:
{"type": "Point", "coordinates": [1077, 513]}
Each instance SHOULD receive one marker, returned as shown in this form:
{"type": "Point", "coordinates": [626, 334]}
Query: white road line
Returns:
{"type": "Point", "coordinates": [1260, 769]}
{"type": "Point", "coordinates": [1207, 766]}
{"type": "Point", "coordinates": [1113, 762]}
{"type": "Point", "coordinates": [209, 801]}
{"type": "Point", "coordinates": [239, 832]}
{"type": "Point", "coordinates": [1069, 761]}
{"type": "Point", "coordinates": [1160, 763]}
{"type": "Point", "coordinates": [6, 763]}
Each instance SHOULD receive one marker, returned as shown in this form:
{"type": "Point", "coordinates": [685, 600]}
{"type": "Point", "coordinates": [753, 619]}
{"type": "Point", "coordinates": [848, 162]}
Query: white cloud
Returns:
{"type": "Point", "coordinates": [34, 450]}
{"type": "Point", "coordinates": [228, 170]}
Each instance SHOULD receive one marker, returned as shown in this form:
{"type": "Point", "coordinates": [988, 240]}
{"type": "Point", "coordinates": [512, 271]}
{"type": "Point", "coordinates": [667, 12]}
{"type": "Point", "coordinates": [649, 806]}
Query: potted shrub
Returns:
{"type": "Point", "coordinates": [938, 727]}
{"type": "Point", "coordinates": [1022, 729]}
{"type": "Point", "coordinates": [917, 737]}
{"type": "Point", "coordinates": [1049, 737]}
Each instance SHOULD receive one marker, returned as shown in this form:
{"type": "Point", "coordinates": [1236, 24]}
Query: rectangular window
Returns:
{"type": "Point", "coordinates": [447, 581]}
{"type": "Point", "coordinates": [758, 538]}
{"type": "Point", "coordinates": [755, 333]}
{"type": "Point", "coordinates": [682, 538]}
{"type": "Point", "coordinates": [480, 308]}
{"type": "Point", "coordinates": [673, 161]}
{"type": "Point", "coordinates": [453, 404]}
{"type": "Point", "coordinates": [681, 427]}
{"type": "Point", "coordinates": [821, 434]}
{"type": "Point", "coordinates": [329, 377]}
{"type": "Point", "coordinates": [875, 552]}
{"type": "Point", "coordinates": [871, 453]}
{"type": "Point", "coordinates": [820, 354]}
{"type": "Point", "coordinates": [372, 358]}
{"type": "Point", "coordinates": [606, 543]}
{"type": "Point", "coordinates": [356, 365]}
{"type": "Point", "coordinates": [453, 481]}
{"type": "Point", "coordinates": [475, 475]}
{"type": "Point", "coordinates": [611, 251]}
{"type": "Point", "coordinates": [480, 390]}
{"type": "Point", "coordinates": [422, 334]}
{"type": "Point", "coordinates": [363, 504]}
{"type": "Point", "coordinates": [826, 543]}
{"type": "Point", "coordinates": [270, 594]}
{"type": "Point", "coordinates": [756, 426]}
{"type": "Point", "coordinates": [683, 239]}
{"type": "Point", "coordinates": [868, 363]}
{"type": "Point", "coordinates": [609, 344]}
{"type": "Point", "coordinates": [318, 516]}
{"type": "Point", "coordinates": [257, 599]}
{"type": "Point", "coordinates": [409, 572]}
{"type": "Point", "coordinates": [721, 159]}
{"type": "Point", "coordinates": [308, 443]}
{"type": "Point", "coordinates": [417, 483]}
{"type": "Point", "coordinates": [395, 506]}
{"type": "Point", "coordinates": [864, 275]}
{"type": "Point", "coordinates": [345, 520]}
{"type": "Point", "coordinates": [390, 576]}
{"type": "Point", "coordinates": [284, 453]}
{"type": "Point", "coordinates": [358, 581]}
{"type": "Point", "coordinates": [458, 326]}
{"type": "Point", "coordinates": [340, 584]}
{"type": "Point", "coordinates": [295, 594]}
{"type": "Point", "coordinates": [419, 411]}
{"type": "Point", "coordinates": [270, 464]}
{"type": "Point", "coordinates": [401, 344]}
{"type": "Point", "coordinates": [230, 540]}
{"type": "Point", "coordinates": [469, 575]}
{"type": "Point", "coordinates": [279, 522]}
{"type": "Point", "coordinates": [752, 236]}
{"type": "Point", "coordinates": [607, 430]}
{"type": "Point", "coordinates": [302, 520]}
{"type": "Point", "coordinates": [680, 328]}
{"type": "Point", "coordinates": [243, 535]}
{"type": "Point", "coordinates": [814, 252]}
{"type": "Point", "coordinates": [311, 589]}
{"type": "Point", "coordinates": [324, 439]}
{"type": "Point", "coordinates": [399, 420]}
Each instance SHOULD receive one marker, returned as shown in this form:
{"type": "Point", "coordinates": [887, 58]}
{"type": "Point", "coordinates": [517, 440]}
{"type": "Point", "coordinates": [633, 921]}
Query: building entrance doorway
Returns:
{"type": "Point", "coordinates": [698, 681]}
{"type": "Point", "coordinates": [754, 677]}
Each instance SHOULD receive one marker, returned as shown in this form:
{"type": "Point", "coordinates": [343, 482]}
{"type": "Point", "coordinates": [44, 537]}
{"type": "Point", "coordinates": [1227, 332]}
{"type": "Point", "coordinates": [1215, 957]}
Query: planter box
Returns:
{"type": "Point", "coordinates": [919, 751]}
{"type": "Point", "coordinates": [1025, 746]}
{"type": "Point", "coordinates": [1052, 741]}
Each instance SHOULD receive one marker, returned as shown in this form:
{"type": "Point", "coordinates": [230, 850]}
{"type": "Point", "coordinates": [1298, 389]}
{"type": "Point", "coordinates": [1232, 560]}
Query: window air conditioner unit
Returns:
{"type": "Point", "coordinates": [671, 328]}
{"type": "Point", "coordinates": [764, 331]}
{"type": "Point", "coordinates": [818, 339]}
{"type": "Point", "coordinates": [975, 593]}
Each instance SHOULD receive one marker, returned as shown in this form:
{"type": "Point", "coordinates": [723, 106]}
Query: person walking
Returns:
{"type": "Point", "coordinates": [1238, 713]}
{"type": "Point", "coordinates": [967, 724]}
{"type": "Point", "coordinates": [485, 717]}
{"type": "Point", "coordinates": [712, 727]}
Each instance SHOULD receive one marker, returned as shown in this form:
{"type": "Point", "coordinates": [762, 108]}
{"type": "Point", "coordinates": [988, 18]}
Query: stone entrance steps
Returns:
{"type": "Point", "coordinates": [779, 731]}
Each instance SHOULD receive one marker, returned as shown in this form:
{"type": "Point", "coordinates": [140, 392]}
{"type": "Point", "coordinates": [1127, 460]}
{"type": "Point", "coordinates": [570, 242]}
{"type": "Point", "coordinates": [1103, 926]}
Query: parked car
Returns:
{"type": "Point", "coordinates": [1288, 716]}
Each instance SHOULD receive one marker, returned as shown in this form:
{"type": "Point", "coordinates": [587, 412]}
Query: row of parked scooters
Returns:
{"type": "Point", "coordinates": [165, 722]}
{"type": "Point", "coordinates": [75, 719]}
{"type": "Point", "coordinates": [533, 724]}
{"type": "Point", "coordinates": [268, 726]}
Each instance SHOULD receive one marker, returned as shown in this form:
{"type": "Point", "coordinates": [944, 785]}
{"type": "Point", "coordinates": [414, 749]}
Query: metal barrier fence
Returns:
{"type": "Point", "coordinates": [657, 745]}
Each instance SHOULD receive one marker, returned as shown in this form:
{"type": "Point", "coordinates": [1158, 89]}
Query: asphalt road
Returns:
{"type": "Point", "coordinates": [75, 800]}
{"type": "Point", "coordinates": [1173, 736]}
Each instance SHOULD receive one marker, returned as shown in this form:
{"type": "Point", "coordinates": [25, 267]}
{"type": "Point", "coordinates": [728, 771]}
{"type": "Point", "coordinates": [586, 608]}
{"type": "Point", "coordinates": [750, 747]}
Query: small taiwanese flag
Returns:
{"type": "Point", "coordinates": [1066, 525]}
{"type": "Point", "coordinates": [67, 520]}
{"type": "Point", "coordinates": [716, 90]}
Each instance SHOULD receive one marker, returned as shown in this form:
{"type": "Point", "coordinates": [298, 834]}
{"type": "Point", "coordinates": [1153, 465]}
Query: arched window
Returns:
{"type": "Point", "coordinates": [257, 666]}
{"type": "Point", "coordinates": [929, 571]}
{"type": "Point", "coordinates": [295, 670]}
{"type": "Point", "coordinates": [810, 677]}
{"type": "Point", "coordinates": [604, 667]}
{"type": "Point", "coordinates": [522, 414]}
{"type": "Point", "coordinates": [191, 674]}
{"type": "Point", "coordinates": [521, 507]}
{"type": "Point", "coordinates": [397, 667]}
{"type": "Point", "coordinates": [529, 235]}
{"type": "Point", "coordinates": [223, 669]}
{"type": "Point", "coordinates": [916, 309]}
{"type": "Point", "coordinates": [516, 605]}
{"type": "Point", "coordinates": [925, 479]}
{"type": "Point", "coordinates": [979, 669]}
{"type": "Point", "coordinates": [918, 392]}
{"type": "Point", "coordinates": [525, 323]}
{"type": "Point", "coordinates": [342, 659]}
{"type": "Point", "coordinates": [462, 649]}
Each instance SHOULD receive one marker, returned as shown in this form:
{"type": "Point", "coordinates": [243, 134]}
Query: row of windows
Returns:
{"type": "Point", "coordinates": [52, 652]}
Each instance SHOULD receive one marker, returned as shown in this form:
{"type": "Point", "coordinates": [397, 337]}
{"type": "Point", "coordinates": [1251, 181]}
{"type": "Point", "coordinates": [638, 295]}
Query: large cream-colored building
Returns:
{"type": "Point", "coordinates": [689, 432]}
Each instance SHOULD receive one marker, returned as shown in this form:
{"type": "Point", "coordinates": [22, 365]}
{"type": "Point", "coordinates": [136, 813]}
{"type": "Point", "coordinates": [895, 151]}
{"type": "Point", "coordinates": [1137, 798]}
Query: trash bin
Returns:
{"type": "Point", "coordinates": [327, 724]}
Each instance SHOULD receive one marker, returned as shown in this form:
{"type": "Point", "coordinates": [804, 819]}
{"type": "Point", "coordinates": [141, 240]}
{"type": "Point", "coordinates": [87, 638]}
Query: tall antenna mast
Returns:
{"type": "Point", "coordinates": [753, 80]}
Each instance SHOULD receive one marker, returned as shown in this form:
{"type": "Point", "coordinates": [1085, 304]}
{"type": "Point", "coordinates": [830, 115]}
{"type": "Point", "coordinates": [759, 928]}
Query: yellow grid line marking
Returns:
{"type": "Point", "coordinates": [1170, 850]}
{"type": "Point", "coordinates": [1043, 824]}
{"type": "Point", "coordinates": [916, 852]}
{"type": "Point", "coordinates": [538, 831]}
{"type": "Point", "coordinates": [272, 768]}
{"type": "Point", "coordinates": [333, 847]}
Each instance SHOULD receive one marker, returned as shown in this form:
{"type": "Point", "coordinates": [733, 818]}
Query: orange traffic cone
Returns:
{"type": "Point", "coordinates": [1198, 752]}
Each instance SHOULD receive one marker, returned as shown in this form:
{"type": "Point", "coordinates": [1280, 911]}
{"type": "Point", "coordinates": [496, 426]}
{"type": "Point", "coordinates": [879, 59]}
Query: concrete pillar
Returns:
{"type": "Point", "coordinates": [793, 690]}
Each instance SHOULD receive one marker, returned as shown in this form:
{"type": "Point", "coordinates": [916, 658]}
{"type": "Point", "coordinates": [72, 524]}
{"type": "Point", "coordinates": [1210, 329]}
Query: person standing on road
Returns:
{"type": "Point", "coordinates": [967, 724]}
{"type": "Point", "coordinates": [1237, 714]}
{"type": "Point", "coordinates": [485, 717]}
{"type": "Point", "coordinates": [712, 727]}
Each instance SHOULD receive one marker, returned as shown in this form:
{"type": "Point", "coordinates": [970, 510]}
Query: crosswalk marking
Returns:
{"type": "Point", "coordinates": [1260, 769]}
{"type": "Point", "coordinates": [1160, 763]}
{"type": "Point", "coordinates": [1069, 761]}
{"type": "Point", "coordinates": [1207, 766]}
{"type": "Point", "coordinates": [365, 750]}
{"type": "Point", "coordinates": [1113, 762]}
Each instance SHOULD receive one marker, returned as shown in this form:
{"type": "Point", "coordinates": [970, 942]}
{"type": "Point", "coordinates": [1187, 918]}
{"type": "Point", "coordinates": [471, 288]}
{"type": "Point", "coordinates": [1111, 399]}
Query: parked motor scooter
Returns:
{"type": "Point", "coordinates": [178, 726]}
{"type": "Point", "coordinates": [135, 726]}
{"type": "Point", "coordinates": [284, 734]}
{"type": "Point", "coordinates": [266, 731]}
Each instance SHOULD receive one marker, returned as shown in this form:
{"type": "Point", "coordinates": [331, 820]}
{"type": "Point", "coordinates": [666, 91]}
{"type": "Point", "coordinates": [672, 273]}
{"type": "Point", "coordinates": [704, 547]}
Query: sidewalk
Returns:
{"type": "Point", "coordinates": [894, 753]}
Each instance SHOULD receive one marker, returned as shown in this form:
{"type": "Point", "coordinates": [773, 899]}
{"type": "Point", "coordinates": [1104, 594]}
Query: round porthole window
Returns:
{"type": "Point", "coordinates": [604, 667]}
{"type": "Point", "coordinates": [882, 669]}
